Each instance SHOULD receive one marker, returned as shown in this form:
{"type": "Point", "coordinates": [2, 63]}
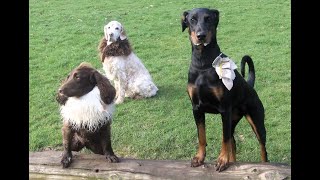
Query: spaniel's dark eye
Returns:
{"type": "Point", "coordinates": [76, 76]}
{"type": "Point", "coordinates": [193, 20]}
{"type": "Point", "coordinates": [109, 27]}
{"type": "Point", "coordinates": [117, 28]}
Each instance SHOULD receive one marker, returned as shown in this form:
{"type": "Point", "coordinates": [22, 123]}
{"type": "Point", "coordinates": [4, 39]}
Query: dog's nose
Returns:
{"type": "Point", "coordinates": [201, 36]}
{"type": "Point", "coordinates": [111, 34]}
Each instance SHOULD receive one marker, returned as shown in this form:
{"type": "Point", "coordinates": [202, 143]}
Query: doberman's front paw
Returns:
{"type": "Point", "coordinates": [222, 163]}
{"type": "Point", "coordinates": [66, 160]}
{"type": "Point", "coordinates": [112, 158]}
{"type": "Point", "coordinates": [196, 161]}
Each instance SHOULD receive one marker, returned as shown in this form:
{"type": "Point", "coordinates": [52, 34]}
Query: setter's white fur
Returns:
{"type": "Point", "coordinates": [130, 76]}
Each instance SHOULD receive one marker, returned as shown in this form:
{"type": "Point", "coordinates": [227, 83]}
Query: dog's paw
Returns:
{"type": "Point", "coordinates": [66, 160]}
{"type": "Point", "coordinates": [137, 97]}
{"type": "Point", "coordinates": [119, 101]}
{"type": "Point", "coordinates": [112, 158]}
{"type": "Point", "coordinates": [222, 164]}
{"type": "Point", "coordinates": [196, 161]}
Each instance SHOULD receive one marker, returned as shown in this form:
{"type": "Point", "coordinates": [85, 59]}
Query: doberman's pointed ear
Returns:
{"type": "Point", "coordinates": [184, 21]}
{"type": "Point", "coordinates": [215, 14]}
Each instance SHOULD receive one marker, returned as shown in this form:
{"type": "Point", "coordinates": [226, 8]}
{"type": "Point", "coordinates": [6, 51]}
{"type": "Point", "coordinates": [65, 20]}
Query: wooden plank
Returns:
{"type": "Point", "coordinates": [46, 165]}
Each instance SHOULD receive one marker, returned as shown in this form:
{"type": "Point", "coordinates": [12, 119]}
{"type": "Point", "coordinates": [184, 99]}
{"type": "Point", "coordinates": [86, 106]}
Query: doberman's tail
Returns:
{"type": "Point", "coordinates": [252, 75]}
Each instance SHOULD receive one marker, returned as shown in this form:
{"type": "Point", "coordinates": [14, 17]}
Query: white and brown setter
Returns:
{"type": "Point", "coordinates": [121, 65]}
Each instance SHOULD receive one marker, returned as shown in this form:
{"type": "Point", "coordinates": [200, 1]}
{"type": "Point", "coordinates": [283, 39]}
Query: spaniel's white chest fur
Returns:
{"type": "Point", "coordinates": [88, 111]}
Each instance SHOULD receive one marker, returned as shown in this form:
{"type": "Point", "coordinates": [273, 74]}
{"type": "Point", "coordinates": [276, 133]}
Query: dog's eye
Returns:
{"type": "Point", "coordinates": [117, 28]}
{"type": "Point", "coordinates": [193, 19]}
{"type": "Point", "coordinates": [208, 19]}
{"type": "Point", "coordinates": [109, 27]}
{"type": "Point", "coordinates": [76, 76]}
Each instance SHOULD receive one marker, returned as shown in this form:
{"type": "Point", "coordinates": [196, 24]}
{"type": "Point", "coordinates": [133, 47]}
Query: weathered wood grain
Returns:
{"type": "Point", "coordinates": [46, 165]}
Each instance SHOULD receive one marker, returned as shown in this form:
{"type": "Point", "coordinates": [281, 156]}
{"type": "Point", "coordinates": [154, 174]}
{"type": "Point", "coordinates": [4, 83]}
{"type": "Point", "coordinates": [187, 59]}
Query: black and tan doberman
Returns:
{"type": "Point", "coordinates": [209, 92]}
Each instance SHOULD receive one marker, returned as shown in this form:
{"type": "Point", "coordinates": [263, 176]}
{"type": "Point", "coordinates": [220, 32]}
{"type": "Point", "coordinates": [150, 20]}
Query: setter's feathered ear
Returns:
{"type": "Point", "coordinates": [105, 33]}
{"type": "Point", "coordinates": [107, 91]}
{"type": "Point", "coordinates": [101, 48]}
{"type": "Point", "coordinates": [123, 34]}
{"type": "Point", "coordinates": [184, 21]}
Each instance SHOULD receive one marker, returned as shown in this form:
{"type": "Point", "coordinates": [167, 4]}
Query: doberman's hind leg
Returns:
{"type": "Point", "coordinates": [236, 117]}
{"type": "Point", "coordinates": [255, 118]}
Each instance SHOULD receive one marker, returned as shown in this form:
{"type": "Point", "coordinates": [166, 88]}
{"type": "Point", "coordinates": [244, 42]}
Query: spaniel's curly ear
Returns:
{"type": "Point", "coordinates": [101, 48]}
{"type": "Point", "coordinates": [184, 21]}
{"type": "Point", "coordinates": [123, 34]}
{"type": "Point", "coordinates": [107, 91]}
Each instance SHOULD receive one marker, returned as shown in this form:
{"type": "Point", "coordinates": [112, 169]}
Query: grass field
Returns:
{"type": "Point", "coordinates": [65, 33]}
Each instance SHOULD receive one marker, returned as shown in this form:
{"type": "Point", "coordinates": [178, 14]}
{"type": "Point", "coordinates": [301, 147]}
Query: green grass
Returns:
{"type": "Point", "coordinates": [65, 33]}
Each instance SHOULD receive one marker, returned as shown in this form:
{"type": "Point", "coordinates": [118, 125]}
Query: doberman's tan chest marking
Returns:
{"type": "Point", "coordinates": [216, 92]}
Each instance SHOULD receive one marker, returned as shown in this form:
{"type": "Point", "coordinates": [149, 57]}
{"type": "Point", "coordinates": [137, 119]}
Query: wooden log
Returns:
{"type": "Point", "coordinates": [46, 165]}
